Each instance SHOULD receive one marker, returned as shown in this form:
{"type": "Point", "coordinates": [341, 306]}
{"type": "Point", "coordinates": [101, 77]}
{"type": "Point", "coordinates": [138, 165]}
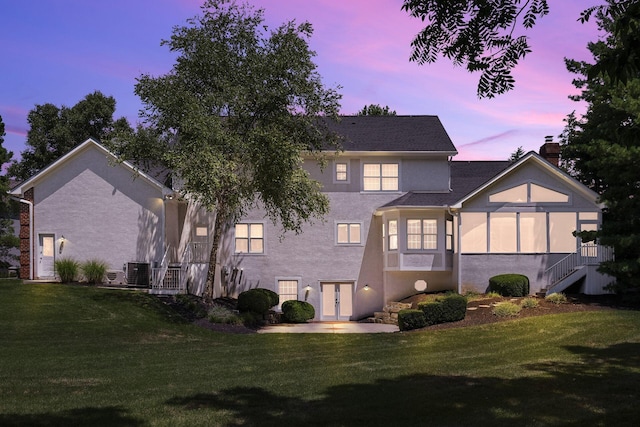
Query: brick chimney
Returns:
{"type": "Point", "coordinates": [551, 151]}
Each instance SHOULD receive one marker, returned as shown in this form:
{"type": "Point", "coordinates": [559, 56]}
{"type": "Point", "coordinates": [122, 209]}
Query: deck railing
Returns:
{"type": "Point", "coordinates": [589, 254]}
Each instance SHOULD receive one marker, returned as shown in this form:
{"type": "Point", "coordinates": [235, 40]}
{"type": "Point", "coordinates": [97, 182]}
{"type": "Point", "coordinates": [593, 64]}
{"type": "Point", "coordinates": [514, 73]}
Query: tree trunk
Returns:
{"type": "Point", "coordinates": [213, 257]}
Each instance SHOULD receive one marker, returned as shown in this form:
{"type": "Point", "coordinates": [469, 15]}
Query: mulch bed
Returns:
{"type": "Point", "coordinates": [484, 315]}
{"type": "Point", "coordinates": [478, 316]}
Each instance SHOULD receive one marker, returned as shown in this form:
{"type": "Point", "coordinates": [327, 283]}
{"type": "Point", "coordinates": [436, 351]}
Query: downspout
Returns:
{"type": "Point", "coordinates": [31, 260]}
{"type": "Point", "coordinates": [456, 248]}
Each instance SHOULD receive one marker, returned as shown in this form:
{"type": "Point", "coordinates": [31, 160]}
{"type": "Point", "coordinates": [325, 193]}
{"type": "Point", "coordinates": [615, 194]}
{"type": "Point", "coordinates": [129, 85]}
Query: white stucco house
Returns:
{"type": "Point", "coordinates": [404, 216]}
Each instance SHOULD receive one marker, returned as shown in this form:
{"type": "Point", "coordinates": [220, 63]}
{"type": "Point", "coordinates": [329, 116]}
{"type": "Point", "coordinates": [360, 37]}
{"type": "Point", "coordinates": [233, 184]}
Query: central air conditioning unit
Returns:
{"type": "Point", "coordinates": [116, 277]}
{"type": "Point", "coordinates": [138, 274]}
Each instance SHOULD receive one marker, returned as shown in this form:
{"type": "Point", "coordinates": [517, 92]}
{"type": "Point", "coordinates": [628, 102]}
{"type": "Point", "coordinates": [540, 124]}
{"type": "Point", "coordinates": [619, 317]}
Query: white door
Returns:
{"type": "Point", "coordinates": [337, 301]}
{"type": "Point", "coordinates": [46, 253]}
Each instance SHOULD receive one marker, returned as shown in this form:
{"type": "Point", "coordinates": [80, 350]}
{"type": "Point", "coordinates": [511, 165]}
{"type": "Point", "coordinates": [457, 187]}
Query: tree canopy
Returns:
{"type": "Point", "coordinates": [54, 131]}
{"type": "Point", "coordinates": [602, 148]}
{"type": "Point", "coordinates": [376, 110]}
{"type": "Point", "coordinates": [8, 239]}
{"type": "Point", "coordinates": [482, 35]}
{"type": "Point", "coordinates": [235, 115]}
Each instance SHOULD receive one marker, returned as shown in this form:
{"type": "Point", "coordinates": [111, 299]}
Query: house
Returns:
{"type": "Point", "coordinates": [404, 218]}
{"type": "Point", "coordinates": [87, 205]}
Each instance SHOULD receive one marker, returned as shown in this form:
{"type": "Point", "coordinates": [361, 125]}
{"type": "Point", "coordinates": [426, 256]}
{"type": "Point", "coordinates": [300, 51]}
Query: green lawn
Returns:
{"type": "Point", "coordinates": [73, 355]}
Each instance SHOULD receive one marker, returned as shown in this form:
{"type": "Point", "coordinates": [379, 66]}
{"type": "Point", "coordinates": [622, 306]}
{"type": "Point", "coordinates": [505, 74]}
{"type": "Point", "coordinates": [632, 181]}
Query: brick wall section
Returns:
{"type": "Point", "coordinates": [25, 238]}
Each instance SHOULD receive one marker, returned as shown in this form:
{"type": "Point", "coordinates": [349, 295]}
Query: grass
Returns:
{"type": "Point", "coordinates": [74, 355]}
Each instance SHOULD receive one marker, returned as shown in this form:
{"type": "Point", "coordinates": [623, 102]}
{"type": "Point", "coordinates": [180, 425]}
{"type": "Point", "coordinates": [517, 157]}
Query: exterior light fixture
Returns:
{"type": "Point", "coordinates": [366, 287]}
{"type": "Point", "coordinates": [308, 288]}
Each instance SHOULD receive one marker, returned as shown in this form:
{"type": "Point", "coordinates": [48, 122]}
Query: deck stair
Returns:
{"type": "Point", "coordinates": [573, 267]}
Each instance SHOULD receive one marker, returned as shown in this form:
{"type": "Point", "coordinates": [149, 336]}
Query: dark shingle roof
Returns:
{"type": "Point", "coordinates": [393, 133]}
{"type": "Point", "coordinates": [466, 176]}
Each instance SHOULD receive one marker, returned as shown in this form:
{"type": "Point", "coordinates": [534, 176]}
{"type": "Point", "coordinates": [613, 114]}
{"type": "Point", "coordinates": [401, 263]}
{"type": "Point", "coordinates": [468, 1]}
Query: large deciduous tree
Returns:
{"type": "Point", "coordinates": [54, 131]}
{"type": "Point", "coordinates": [234, 116]}
{"type": "Point", "coordinates": [602, 147]}
{"type": "Point", "coordinates": [480, 34]}
{"type": "Point", "coordinates": [8, 209]}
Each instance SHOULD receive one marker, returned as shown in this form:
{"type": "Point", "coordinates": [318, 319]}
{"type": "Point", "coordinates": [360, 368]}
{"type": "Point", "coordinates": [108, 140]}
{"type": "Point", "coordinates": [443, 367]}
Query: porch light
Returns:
{"type": "Point", "coordinates": [308, 288]}
{"type": "Point", "coordinates": [366, 287]}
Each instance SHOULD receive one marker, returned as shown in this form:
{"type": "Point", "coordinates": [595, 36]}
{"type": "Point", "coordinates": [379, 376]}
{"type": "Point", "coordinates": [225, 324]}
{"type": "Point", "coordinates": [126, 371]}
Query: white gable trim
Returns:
{"type": "Point", "coordinates": [20, 189]}
{"type": "Point", "coordinates": [533, 157]}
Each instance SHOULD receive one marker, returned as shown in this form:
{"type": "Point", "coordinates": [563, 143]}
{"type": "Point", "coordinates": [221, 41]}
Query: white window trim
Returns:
{"type": "Point", "coordinates": [335, 172]}
{"type": "Point", "coordinates": [422, 234]}
{"type": "Point", "coordinates": [363, 163]}
{"type": "Point", "coordinates": [264, 240]}
{"type": "Point", "coordinates": [360, 243]}
{"type": "Point", "coordinates": [278, 279]}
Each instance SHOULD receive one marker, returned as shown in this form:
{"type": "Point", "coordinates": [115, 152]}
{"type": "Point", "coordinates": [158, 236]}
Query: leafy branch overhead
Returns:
{"type": "Point", "coordinates": [478, 34]}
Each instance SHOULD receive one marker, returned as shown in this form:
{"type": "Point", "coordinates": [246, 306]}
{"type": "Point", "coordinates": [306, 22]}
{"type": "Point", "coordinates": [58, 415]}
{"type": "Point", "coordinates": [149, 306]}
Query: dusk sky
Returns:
{"type": "Point", "coordinates": [58, 51]}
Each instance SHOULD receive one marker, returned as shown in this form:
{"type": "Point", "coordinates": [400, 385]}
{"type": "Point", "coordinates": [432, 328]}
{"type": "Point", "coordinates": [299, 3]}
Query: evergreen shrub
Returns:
{"type": "Point", "coordinates": [274, 298]}
{"type": "Point", "coordinates": [294, 311]}
{"type": "Point", "coordinates": [254, 301]}
{"type": "Point", "coordinates": [510, 285]}
{"type": "Point", "coordinates": [411, 319]}
{"type": "Point", "coordinates": [448, 308]}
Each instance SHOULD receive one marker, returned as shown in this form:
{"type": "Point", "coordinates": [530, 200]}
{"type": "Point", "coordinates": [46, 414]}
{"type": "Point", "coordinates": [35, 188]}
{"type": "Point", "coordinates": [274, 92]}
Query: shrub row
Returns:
{"type": "Point", "coordinates": [93, 270]}
{"type": "Point", "coordinates": [448, 308]}
{"type": "Point", "coordinates": [509, 285]}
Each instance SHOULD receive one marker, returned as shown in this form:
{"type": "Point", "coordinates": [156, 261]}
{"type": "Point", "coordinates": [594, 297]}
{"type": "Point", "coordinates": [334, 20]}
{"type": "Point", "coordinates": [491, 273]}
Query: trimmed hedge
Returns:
{"type": "Point", "coordinates": [254, 301]}
{"type": "Point", "coordinates": [274, 298]}
{"type": "Point", "coordinates": [294, 311]}
{"type": "Point", "coordinates": [448, 308]}
{"type": "Point", "coordinates": [510, 285]}
{"type": "Point", "coordinates": [411, 319]}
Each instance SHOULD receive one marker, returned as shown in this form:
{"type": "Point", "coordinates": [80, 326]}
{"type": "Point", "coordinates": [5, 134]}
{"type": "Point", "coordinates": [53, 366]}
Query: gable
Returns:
{"type": "Point", "coordinates": [89, 154]}
{"type": "Point", "coordinates": [531, 181]}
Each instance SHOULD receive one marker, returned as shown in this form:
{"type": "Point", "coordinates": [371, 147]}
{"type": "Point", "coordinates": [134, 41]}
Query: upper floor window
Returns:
{"type": "Point", "coordinates": [380, 177]}
{"type": "Point", "coordinates": [249, 238]}
{"type": "Point", "coordinates": [348, 233]}
{"type": "Point", "coordinates": [422, 234]}
{"type": "Point", "coordinates": [341, 172]}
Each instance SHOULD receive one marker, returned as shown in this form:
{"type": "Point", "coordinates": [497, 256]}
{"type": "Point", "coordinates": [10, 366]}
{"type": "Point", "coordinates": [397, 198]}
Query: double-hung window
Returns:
{"type": "Point", "coordinates": [249, 238]}
{"type": "Point", "coordinates": [287, 290]}
{"type": "Point", "coordinates": [422, 234]}
{"type": "Point", "coordinates": [341, 172]}
{"type": "Point", "coordinates": [348, 233]}
{"type": "Point", "coordinates": [380, 177]}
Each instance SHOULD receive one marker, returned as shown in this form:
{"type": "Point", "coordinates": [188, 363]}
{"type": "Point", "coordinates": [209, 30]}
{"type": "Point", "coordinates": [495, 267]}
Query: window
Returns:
{"type": "Point", "coordinates": [249, 238]}
{"type": "Point", "coordinates": [341, 172]}
{"type": "Point", "coordinates": [201, 231]}
{"type": "Point", "coordinates": [503, 232]}
{"type": "Point", "coordinates": [561, 228]}
{"type": "Point", "coordinates": [449, 235]}
{"type": "Point", "coordinates": [422, 234]}
{"type": "Point", "coordinates": [348, 233]}
{"type": "Point", "coordinates": [380, 177]}
{"type": "Point", "coordinates": [287, 290]}
{"type": "Point", "coordinates": [533, 232]}
{"type": "Point", "coordinates": [528, 193]}
{"type": "Point", "coordinates": [393, 235]}
{"type": "Point", "coordinates": [473, 232]}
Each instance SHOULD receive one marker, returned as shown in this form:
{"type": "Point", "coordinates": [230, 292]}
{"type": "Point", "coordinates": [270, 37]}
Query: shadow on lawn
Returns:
{"type": "Point", "coordinates": [601, 389]}
{"type": "Point", "coordinates": [110, 416]}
